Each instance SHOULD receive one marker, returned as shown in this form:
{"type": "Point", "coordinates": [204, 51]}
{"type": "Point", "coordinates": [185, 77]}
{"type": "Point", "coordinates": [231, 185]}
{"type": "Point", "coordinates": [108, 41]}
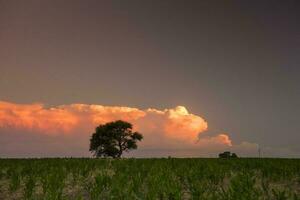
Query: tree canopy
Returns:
{"type": "Point", "coordinates": [114, 138]}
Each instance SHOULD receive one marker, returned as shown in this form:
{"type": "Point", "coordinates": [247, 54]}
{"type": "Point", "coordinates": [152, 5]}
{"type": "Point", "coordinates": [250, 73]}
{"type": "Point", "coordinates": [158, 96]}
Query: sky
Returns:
{"type": "Point", "coordinates": [194, 77]}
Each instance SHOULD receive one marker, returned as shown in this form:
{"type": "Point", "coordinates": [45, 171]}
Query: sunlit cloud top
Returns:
{"type": "Point", "coordinates": [175, 123]}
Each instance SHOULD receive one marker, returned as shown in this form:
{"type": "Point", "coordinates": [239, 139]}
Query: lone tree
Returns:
{"type": "Point", "coordinates": [113, 138]}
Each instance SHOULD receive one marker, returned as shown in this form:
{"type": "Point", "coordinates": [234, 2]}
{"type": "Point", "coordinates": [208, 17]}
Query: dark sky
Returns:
{"type": "Point", "coordinates": [235, 63]}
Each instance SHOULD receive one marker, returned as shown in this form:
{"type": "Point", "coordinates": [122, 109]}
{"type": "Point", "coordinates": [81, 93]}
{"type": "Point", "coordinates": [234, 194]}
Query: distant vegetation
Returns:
{"type": "Point", "coordinates": [113, 138]}
{"type": "Point", "coordinates": [227, 154]}
{"type": "Point", "coordinates": [130, 179]}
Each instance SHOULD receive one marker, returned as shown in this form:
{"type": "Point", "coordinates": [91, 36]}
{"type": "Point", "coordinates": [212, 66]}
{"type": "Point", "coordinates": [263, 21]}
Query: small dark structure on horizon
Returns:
{"type": "Point", "coordinates": [227, 154]}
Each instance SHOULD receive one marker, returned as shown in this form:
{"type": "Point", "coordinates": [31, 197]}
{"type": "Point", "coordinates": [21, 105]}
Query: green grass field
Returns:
{"type": "Point", "coordinates": [169, 178]}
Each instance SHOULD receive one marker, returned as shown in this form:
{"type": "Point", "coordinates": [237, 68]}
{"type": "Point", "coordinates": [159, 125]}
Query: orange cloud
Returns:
{"type": "Point", "coordinates": [36, 117]}
{"type": "Point", "coordinates": [183, 125]}
{"type": "Point", "coordinates": [36, 130]}
{"type": "Point", "coordinates": [221, 139]}
{"type": "Point", "coordinates": [174, 127]}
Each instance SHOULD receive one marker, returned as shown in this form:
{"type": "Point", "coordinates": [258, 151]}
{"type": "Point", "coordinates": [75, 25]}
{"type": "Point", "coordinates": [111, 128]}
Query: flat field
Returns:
{"type": "Point", "coordinates": [169, 178]}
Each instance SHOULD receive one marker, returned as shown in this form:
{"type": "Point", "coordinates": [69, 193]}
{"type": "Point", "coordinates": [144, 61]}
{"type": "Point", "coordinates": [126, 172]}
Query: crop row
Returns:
{"type": "Point", "coordinates": [170, 178]}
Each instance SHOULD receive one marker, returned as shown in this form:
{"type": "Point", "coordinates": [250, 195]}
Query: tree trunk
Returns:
{"type": "Point", "coordinates": [120, 150]}
{"type": "Point", "coordinates": [119, 154]}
